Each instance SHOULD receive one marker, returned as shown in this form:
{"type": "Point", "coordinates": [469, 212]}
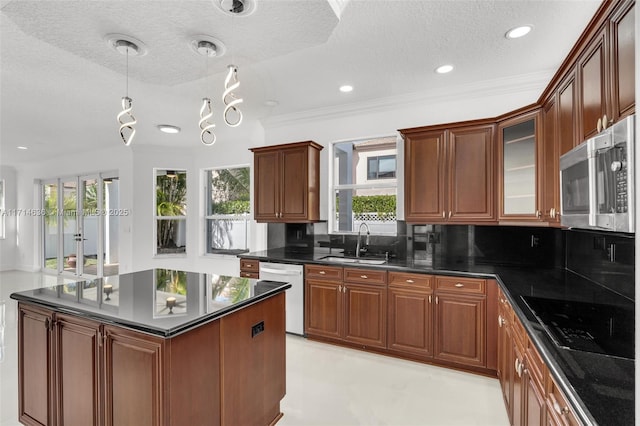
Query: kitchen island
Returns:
{"type": "Point", "coordinates": [156, 347]}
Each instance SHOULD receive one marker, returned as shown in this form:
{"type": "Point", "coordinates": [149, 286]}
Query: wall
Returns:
{"type": "Point", "coordinates": [8, 244]}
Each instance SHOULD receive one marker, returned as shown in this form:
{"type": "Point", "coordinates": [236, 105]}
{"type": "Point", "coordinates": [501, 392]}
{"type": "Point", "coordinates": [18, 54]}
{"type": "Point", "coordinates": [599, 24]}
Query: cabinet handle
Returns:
{"type": "Point", "coordinates": [247, 265]}
{"type": "Point", "coordinates": [339, 288]}
{"type": "Point", "coordinates": [436, 300]}
{"type": "Point", "coordinates": [459, 285]}
{"type": "Point", "coordinates": [364, 276]}
{"type": "Point", "coordinates": [518, 367]}
{"type": "Point", "coordinates": [560, 410]}
{"type": "Point", "coordinates": [605, 122]}
{"type": "Point", "coordinates": [444, 216]}
{"type": "Point", "coordinates": [538, 214]}
{"type": "Point", "coordinates": [410, 281]}
{"type": "Point", "coordinates": [449, 214]}
{"type": "Point", "coordinates": [599, 125]}
{"type": "Point", "coordinates": [322, 272]}
{"type": "Point", "coordinates": [499, 320]}
{"type": "Point", "coordinates": [429, 298]}
{"type": "Point", "coordinates": [344, 288]}
{"type": "Point", "coordinates": [552, 212]}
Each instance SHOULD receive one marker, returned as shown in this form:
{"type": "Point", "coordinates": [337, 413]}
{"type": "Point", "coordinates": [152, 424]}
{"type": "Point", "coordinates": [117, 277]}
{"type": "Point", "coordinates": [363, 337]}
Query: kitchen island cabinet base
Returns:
{"type": "Point", "coordinates": [142, 379]}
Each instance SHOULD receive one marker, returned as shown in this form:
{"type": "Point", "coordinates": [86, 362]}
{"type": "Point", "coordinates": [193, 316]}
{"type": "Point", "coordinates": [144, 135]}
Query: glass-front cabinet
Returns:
{"type": "Point", "coordinates": [518, 165]}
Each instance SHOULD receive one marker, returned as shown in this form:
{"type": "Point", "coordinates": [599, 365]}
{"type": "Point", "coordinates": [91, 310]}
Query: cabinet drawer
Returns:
{"type": "Point", "coordinates": [365, 276]}
{"type": "Point", "coordinates": [247, 274]}
{"type": "Point", "coordinates": [323, 272]}
{"type": "Point", "coordinates": [401, 279]}
{"type": "Point", "coordinates": [535, 365]}
{"type": "Point", "coordinates": [249, 265]}
{"type": "Point", "coordinates": [462, 285]}
{"type": "Point", "coordinates": [558, 408]}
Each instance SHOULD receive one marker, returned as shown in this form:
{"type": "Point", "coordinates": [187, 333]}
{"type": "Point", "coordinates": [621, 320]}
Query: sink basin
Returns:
{"type": "Point", "coordinates": [360, 260]}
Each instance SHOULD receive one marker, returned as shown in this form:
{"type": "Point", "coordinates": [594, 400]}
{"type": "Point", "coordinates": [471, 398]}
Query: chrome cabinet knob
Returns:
{"type": "Point", "coordinates": [616, 165]}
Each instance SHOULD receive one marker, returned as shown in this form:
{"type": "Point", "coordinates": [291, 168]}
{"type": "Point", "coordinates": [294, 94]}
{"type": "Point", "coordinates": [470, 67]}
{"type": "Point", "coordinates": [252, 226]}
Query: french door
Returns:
{"type": "Point", "coordinates": [80, 225]}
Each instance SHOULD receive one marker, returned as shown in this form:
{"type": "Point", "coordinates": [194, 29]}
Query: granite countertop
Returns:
{"type": "Point", "coordinates": [160, 302]}
{"type": "Point", "coordinates": [600, 387]}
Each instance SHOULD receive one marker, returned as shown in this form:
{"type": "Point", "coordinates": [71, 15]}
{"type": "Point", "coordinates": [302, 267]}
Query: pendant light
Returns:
{"type": "Point", "coordinates": [207, 137]}
{"type": "Point", "coordinates": [230, 100]}
{"type": "Point", "coordinates": [125, 117]}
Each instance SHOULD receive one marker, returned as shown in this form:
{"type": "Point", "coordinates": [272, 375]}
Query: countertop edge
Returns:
{"type": "Point", "coordinates": [148, 330]}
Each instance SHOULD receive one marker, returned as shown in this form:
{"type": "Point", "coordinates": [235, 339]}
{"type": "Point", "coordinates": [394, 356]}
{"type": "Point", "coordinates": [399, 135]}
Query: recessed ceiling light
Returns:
{"type": "Point", "coordinates": [22, 147]}
{"type": "Point", "coordinates": [443, 69]}
{"type": "Point", "coordinates": [346, 88]}
{"type": "Point", "coordinates": [518, 32]}
{"type": "Point", "coordinates": [168, 128]}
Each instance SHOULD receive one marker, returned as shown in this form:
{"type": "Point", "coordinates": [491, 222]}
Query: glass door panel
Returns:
{"type": "Point", "coordinates": [50, 226]}
{"type": "Point", "coordinates": [70, 225]}
{"type": "Point", "coordinates": [89, 223]}
{"type": "Point", "coordinates": [519, 168]}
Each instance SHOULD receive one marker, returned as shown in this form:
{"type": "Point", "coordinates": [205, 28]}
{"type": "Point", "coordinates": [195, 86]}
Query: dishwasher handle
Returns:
{"type": "Point", "coordinates": [280, 271]}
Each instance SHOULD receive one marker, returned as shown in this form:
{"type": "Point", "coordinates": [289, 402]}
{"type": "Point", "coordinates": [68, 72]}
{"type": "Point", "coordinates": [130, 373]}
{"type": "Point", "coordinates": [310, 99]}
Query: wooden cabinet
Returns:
{"type": "Point", "coordinates": [520, 168]}
{"type": "Point", "coordinates": [593, 81]}
{"type": "Point", "coordinates": [549, 165]}
{"type": "Point", "coordinates": [506, 355]}
{"type": "Point", "coordinates": [249, 268]}
{"type": "Point", "coordinates": [77, 355]}
{"type": "Point", "coordinates": [568, 135]}
{"type": "Point", "coordinates": [353, 310]}
{"type": "Point", "coordinates": [449, 174]}
{"type": "Point", "coordinates": [36, 369]}
{"type": "Point", "coordinates": [558, 411]}
{"type": "Point", "coordinates": [459, 325]}
{"type": "Point", "coordinates": [411, 313]}
{"type": "Point", "coordinates": [623, 73]}
{"type": "Point", "coordinates": [287, 182]}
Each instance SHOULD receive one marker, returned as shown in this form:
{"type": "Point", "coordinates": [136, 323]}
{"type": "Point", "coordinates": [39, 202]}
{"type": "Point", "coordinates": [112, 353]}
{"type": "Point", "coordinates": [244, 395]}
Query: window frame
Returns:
{"type": "Point", "coordinates": [206, 173]}
{"type": "Point", "coordinates": [378, 183]}
{"type": "Point", "coordinates": [378, 158]}
{"type": "Point", "coordinates": [156, 217]}
{"type": "Point", "coordinates": [3, 197]}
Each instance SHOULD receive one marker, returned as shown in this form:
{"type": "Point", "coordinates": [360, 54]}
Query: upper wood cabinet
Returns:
{"type": "Point", "coordinates": [549, 165]}
{"type": "Point", "coordinates": [287, 182]}
{"type": "Point", "coordinates": [593, 80]}
{"type": "Point", "coordinates": [519, 168]}
{"type": "Point", "coordinates": [567, 133]}
{"type": "Point", "coordinates": [449, 174]}
{"type": "Point", "coordinates": [623, 75]}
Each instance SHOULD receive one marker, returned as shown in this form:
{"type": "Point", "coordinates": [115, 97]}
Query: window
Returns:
{"type": "Point", "coordinates": [2, 210]}
{"type": "Point", "coordinates": [381, 167]}
{"type": "Point", "coordinates": [363, 184]}
{"type": "Point", "coordinates": [171, 211]}
{"type": "Point", "coordinates": [227, 207]}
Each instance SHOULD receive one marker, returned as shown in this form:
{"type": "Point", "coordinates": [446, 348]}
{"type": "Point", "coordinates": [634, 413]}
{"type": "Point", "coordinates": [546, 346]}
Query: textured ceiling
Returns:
{"type": "Point", "coordinates": [61, 83]}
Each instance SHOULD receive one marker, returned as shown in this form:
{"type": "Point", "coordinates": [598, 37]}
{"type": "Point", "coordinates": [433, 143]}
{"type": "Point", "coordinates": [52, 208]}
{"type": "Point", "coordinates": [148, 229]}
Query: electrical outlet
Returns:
{"type": "Point", "coordinates": [535, 241]}
{"type": "Point", "coordinates": [433, 237]}
{"type": "Point", "coordinates": [257, 329]}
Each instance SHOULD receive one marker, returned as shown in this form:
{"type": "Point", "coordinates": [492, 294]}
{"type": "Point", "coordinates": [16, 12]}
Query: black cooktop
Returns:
{"type": "Point", "coordinates": [588, 327]}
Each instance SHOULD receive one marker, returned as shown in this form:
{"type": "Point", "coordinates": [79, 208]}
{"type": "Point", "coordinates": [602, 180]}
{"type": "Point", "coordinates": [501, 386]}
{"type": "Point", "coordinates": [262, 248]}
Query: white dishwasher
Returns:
{"type": "Point", "coordinates": [293, 274]}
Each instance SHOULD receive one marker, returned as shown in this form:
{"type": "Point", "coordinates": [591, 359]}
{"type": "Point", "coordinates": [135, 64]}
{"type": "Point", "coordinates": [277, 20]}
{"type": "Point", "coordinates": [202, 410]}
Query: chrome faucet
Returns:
{"type": "Point", "coordinates": [366, 244]}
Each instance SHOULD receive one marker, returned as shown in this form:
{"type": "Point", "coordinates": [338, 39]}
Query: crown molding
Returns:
{"type": "Point", "coordinates": [499, 86]}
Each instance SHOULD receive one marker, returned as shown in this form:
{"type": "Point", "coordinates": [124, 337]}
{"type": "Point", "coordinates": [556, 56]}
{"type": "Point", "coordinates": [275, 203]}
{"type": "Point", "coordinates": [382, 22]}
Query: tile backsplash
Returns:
{"type": "Point", "coordinates": [605, 258]}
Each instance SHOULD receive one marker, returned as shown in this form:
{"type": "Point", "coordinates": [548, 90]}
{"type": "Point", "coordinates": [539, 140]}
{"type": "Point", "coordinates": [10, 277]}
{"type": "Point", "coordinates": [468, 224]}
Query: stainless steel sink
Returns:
{"type": "Point", "coordinates": [359, 260]}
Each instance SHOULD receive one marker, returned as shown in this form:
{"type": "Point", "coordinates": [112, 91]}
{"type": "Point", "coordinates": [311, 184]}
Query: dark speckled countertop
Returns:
{"type": "Point", "coordinates": [600, 387]}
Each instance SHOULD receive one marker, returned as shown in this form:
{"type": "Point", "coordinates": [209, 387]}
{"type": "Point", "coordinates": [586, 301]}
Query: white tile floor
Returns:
{"type": "Point", "coordinates": [326, 384]}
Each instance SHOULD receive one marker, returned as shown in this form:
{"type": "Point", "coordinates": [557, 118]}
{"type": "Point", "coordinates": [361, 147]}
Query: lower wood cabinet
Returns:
{"type": "Point", "coordinates": [249, 268]}
{"type": "Point", "coordinates": [354, 312]}
{"type": "Point", "coordinates": [411, 320]}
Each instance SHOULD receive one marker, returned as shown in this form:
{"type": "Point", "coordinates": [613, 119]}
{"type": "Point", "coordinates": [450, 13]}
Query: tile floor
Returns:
{"type": "Point", "coordinates": [326, 384]}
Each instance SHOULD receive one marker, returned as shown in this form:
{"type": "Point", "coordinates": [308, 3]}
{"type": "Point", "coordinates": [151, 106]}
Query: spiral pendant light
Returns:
{"type": "Point", "coordinates": [125, 117]}
{"type": "Point", "coordinates": [229, 98]}
{"type": "Point", "coordinates": [207, 137]}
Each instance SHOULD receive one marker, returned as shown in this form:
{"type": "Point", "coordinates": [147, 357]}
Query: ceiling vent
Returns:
{"type": "Point", "coordinates": [237, 7]}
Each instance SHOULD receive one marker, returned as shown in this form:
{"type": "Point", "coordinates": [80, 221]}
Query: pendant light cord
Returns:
{"type": "Point", "coordinates": [127, 79]}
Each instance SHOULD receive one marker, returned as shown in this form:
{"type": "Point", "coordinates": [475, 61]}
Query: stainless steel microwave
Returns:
{"type": "Point", "coordinates": [597, 181]}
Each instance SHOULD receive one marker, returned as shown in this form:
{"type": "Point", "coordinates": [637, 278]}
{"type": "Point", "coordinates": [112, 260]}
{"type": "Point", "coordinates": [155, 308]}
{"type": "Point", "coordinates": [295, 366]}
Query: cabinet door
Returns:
{"type": "Point", "coordinates": [365, 315]}
{"type": "Point", "coordinates": [471, 174]}
{"type": "Point", "coordinates": [518, 165]}
{"type": "Point", "coordinates": [323, 304]}
{"type": "Point", "coordinates": [294, 184]}
{"type": "Point", "coordinates": [518, 391]}
{"type": "Point", "coordinates": [534, 410]}
{"type": "Point", "coordinates": [36, 392]}
{"type": "Point", "coordinates": [567, 114]}
{"type": "Point", "coordinates": [424, 183]}
{"type": "Point", "coordinates": [78, 344]}
{"type": "Point", "coordinates": [411, 321]}
{"type": "Point", "coordinates": [460, 329]}
{"type": "Point", "coordinates": [134, 378]}
{"type": "Point", "coordinates": [593, 80]}
{"type": "Point", "coordinates": [623, 48]}
{"type": "Point", "coordinates": [505, 364]}
{"type": "Point", "coordinates": [549, 165]}
{"type": "Point", "coordinates": [267, 185]}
